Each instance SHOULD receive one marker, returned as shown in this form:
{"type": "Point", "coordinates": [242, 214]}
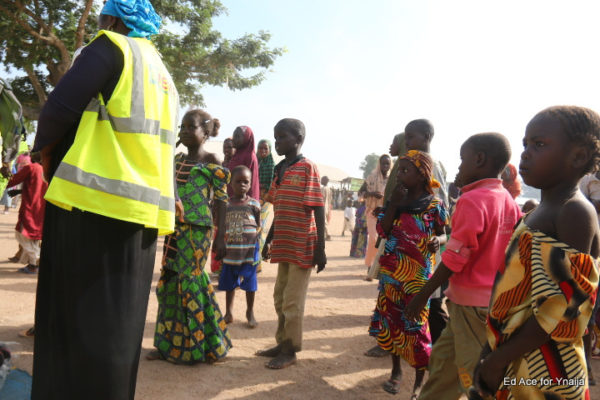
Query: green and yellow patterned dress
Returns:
{"type": "Point", "coordinates": [190, 327]}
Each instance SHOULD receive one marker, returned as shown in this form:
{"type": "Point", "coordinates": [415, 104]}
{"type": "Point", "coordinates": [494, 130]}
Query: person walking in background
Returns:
{"type": "Point", "coordinates": [243, 143]}
{"type": "Point", "coordinates": [228, 151]}
{"type": "Point", "coordinates": [110, 194]}
{"type": "Point", "coordinates": [358, 245]}
{"type": "Point", "coordinates": [349, 215]}
{"type": "Point", "coordinates": [266, 170]}
{"type": "Point", "coordinates": [510, 181]}
{"type": "Point", "coordinates": [296, 240]}
{"type": "Point", "coordinates": [328, 201]}
{"type": "Point", "coordinates": [372, 190]}
{"type": "Point", "coordinates": [266, 166]}
{"type": "Point", "coordinates": [28, 231]}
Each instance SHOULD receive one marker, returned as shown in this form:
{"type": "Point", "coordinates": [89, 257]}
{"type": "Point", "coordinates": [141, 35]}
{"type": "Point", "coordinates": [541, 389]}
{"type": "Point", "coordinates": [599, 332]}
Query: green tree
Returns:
{"type": "Point", "coordinates": [368, 164]}
{"type": "Point", "coordinates": [38, 37]}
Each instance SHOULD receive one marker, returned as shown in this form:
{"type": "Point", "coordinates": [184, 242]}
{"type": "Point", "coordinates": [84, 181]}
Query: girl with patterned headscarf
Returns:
{"type": "Point", "coordinates": [413, 225]}
{"type": "Point", "coordinates": [266, 165]}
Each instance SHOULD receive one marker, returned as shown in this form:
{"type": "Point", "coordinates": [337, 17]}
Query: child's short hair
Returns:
{"type": "Point", "coordinates": [292, 125]}
{"type": "Point", "coordinates": [211, 125]}
{"type": "Point", "coordinates": [238, 169]}
{"type": "Point", "coordinates": [581, 125]}
{"type": "Point", "coordinates": [493, 145]}
{"type": "Point", "coordinates": [423, 126]}
{"type": "Point", "coordinates": [349, 203]}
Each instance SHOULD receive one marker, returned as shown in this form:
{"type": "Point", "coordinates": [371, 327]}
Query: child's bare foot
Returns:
{"type": "Point", "coordinates": [392, 385]}
{"type": "Point", "coordinates": [419, 374]}
{"type": "Point", "coordinates": [251, 320]}
{"type": "Point", "coordinates": [228, 318]}
{"type": "Point", "coordinates": [272, 352]}
{"type": "Point", "coordinates": [282, 360]}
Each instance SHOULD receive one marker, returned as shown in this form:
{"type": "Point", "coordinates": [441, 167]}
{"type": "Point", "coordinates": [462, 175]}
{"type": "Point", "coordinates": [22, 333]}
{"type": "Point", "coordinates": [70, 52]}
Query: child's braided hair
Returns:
{"type": "Point", "coordinates": [582, 126]}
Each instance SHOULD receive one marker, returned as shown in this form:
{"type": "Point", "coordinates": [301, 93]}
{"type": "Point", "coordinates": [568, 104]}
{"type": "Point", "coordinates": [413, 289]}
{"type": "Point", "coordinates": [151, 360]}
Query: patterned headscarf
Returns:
{"type": "Point", "coordinates": [424, 165]}
{"type": "Point", "coordinates": [137, 15]}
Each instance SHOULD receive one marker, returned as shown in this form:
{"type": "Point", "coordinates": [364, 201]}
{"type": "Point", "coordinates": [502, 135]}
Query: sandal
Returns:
{"type": "Point", "coordinates": [28, 332]}
{"type": "Point", "coordinates": [376, 351]}
{"type": "Point", "coordinates": [27, 270]}
{"type": "Point", "coordinates": [392, 386]}
{"type": "Point", "coordinates": [154, 355]}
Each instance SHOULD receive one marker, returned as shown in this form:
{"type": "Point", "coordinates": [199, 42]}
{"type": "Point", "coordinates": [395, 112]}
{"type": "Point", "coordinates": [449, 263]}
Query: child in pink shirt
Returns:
{"type": "Point", "coordinates": [482, 224]}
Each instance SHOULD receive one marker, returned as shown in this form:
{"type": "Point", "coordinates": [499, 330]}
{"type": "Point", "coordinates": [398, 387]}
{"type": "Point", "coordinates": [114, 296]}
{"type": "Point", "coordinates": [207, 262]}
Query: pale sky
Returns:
{"type": "Point", "coordinates": [357, 72]}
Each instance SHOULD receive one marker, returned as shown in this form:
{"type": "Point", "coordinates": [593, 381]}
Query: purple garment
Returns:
{"type": "Point", "coordinates": [246, 155]}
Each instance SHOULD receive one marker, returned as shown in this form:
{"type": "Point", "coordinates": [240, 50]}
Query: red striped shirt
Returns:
{"type": "Point", "coordinates": [295, 234]}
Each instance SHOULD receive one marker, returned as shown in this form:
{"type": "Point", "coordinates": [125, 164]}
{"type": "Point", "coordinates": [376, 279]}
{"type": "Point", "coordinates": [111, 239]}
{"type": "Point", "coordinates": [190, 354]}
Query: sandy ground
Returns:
{"type": "Point", "coordinates": [331, 365]}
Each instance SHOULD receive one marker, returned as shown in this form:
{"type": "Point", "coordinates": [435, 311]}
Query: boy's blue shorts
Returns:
{"type": "Point", "coordinates": [243, 276]}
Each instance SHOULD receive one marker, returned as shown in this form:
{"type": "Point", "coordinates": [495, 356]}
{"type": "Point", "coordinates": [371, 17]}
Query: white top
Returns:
{"type": "Point", "coordinates": [349, 213]}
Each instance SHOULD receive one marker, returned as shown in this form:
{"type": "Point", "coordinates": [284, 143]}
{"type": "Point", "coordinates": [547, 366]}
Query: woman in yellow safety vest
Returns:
{"type": "Point", "coordinates": [107, 135]}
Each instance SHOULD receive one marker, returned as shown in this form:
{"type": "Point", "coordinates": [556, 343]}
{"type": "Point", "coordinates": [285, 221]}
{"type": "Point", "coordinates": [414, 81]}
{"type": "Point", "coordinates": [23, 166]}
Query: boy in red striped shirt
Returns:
{"type": "Point", "coordinates": [296, 240]}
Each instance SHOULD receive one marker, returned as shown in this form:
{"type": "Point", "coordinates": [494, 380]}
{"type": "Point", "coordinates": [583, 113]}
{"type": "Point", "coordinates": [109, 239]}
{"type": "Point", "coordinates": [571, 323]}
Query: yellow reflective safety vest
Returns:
{"type": "Point", "coordinates": [121, 162]}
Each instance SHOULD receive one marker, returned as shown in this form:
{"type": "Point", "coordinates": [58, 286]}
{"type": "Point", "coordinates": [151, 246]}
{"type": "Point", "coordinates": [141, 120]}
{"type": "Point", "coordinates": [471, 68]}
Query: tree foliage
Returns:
{"type": "Point", "coordinates": [368, 164]}
{"type": "Point", "coordinates": [38, 38]}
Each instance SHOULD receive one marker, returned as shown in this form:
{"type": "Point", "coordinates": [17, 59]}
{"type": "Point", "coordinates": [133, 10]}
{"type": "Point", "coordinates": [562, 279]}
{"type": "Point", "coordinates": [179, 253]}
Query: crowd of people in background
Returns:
{"type": "Point", "coordinates": [478, 291]}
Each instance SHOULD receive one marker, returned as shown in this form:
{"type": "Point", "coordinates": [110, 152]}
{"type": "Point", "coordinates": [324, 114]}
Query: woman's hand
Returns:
{"type": "Point", "coordinates": [179, 210]}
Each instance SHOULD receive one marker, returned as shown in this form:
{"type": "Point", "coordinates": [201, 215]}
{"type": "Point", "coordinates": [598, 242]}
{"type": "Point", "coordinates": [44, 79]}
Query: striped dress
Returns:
{"type": "Point", "coordinates": [557, 284]}
{"type": "Point", "coordinates": [406, 266]}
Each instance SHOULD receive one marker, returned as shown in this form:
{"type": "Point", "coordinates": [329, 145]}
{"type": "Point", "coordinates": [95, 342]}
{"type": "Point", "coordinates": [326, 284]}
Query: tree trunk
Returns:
{"type": "Point", "coordinates": [37, 86]}
{"type": "Point", "coordinates": [32, 113]}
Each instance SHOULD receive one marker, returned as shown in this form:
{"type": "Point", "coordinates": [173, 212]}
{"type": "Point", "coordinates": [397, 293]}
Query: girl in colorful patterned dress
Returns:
{"type": "Point", "coordinates": [413, 224]}
{"type": "Point", "coordinates": [543, 298]}
{"type": "Point", "coordinates": [189, 326]}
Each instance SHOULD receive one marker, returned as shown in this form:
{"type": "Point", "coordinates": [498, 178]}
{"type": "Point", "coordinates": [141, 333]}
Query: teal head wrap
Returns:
{"type": "Point", "coordinates": [137, 15]}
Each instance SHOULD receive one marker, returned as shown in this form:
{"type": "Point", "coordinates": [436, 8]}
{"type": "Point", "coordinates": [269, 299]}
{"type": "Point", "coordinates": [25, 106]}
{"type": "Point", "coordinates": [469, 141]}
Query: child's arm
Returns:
{"type": "Point", "coordinates": [220, 209]}
{"type": "Point", "coordinates": [319, 257]}
{"type": "Point", "coordinates": [256, 212]}
{"type": "Point", "coordinates": [491, 370]}
{"type": "Point", "coordinates": [266, 251]}
{"type": "Point", "coordinates": [19, 177]}
{"type": "Point", "coordinates": [441, 275]}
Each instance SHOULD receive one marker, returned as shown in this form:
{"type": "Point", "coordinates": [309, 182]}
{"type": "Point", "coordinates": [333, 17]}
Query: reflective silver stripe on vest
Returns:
{"type": "Point", "coordinates": [137, 122]}
{"type": "Point", "coordinates": [123, 189]}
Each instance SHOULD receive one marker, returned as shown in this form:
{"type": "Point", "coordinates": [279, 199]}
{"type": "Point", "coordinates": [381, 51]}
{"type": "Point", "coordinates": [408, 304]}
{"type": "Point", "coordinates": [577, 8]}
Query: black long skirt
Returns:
{"type": "Point", "coordinates": [93, 288]}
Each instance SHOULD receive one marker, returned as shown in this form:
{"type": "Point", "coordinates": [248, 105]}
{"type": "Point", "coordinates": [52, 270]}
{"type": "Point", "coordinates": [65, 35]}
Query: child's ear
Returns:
{"type": "Point", "coordinates": [580, 156]}
{"type": "Point", "coordinates": [480, 159]}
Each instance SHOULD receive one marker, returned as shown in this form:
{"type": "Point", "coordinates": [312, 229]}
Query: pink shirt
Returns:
{"type": "Point", "coordinates": [482, 225]}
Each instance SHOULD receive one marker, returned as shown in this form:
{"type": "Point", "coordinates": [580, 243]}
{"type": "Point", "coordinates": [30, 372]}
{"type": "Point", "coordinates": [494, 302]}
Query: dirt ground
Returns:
{"type": "Point", "coordinates": [332, 364]}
